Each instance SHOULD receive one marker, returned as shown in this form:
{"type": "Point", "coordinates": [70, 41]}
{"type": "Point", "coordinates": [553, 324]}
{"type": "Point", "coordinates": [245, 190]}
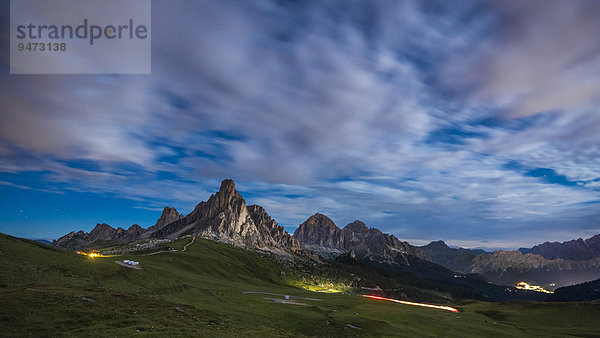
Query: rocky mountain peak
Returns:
{"type": "Point", "coordinates": [135, 230]}
{"type": "Point", "coordinates": [227, 186]}
{"type": "Point", "coordinates": [321, 221]}
{"type": "Point", "coordinates": [227, 197]}
{"type": "Point", "coordinates": [101, 227]}
{"type": "Point", "coordinates": [319, 231]}
{"type": "Point", "coordinates": [227, 191]}
{"type": "Point", "coordinates": [438, 244]}
{"type": "Point", "coordinates": [357, 226]}
{"type": "Point", "coordinates": [168, 215]}
{"type": "Point", "coordinates": [169, 211]}
{"type": "Point", "coordinates": [102, 231]}
{"type": "Point", "coordinates": [226, 217]}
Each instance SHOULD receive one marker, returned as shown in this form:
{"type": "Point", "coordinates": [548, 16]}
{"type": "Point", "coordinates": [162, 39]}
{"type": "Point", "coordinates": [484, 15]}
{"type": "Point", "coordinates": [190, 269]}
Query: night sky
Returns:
{"type": "Point", "coordinates": [472, 122]}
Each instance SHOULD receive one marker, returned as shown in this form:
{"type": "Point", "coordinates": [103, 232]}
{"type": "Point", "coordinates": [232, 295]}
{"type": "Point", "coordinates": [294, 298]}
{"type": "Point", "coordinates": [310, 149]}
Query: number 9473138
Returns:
{"type": "Point", "coordinates": [42, 47]}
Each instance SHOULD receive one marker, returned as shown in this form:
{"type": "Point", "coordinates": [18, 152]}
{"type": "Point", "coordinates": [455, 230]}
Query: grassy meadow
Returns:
{"type": "Point", "coordinates": [50, 292]}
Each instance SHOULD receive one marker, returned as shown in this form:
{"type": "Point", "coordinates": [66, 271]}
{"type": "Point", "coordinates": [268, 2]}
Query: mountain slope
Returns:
{"type": "Point", "coordinates": [578, 293]}
{"type": "Point", "coordinates": [459, 259]}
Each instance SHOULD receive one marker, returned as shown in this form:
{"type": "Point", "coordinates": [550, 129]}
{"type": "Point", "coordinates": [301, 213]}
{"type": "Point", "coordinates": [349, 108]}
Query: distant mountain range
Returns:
{"type": "Point", "coordinates": [576, 250]}
{"type": "Point", "coordinates": [43, 241]}
{"type": "Point", "coordinates": [226, 217]}
{"type": "Point", "coordinates": [102, 235]}
{"type": "Point", "coordinates": [549, 264]}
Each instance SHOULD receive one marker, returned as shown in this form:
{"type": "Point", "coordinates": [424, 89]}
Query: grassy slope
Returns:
{"type": "Point", "coordinates": [46, 291]}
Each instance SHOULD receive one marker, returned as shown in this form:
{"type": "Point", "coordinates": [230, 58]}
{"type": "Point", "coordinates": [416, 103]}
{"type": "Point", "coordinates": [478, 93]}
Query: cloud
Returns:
{"type": "Point", "coordinates": [542, 57]}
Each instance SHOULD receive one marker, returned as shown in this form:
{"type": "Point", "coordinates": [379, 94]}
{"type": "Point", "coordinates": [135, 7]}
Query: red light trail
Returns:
{"type": "Point", "coordinates": [447, 308]}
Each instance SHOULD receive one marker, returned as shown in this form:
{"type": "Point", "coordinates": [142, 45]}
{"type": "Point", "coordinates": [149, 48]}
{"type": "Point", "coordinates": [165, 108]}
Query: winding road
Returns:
{"type": "Point", "coordinates": [184, 248]}
{"type": "Point", "coordinates": [190, 243]}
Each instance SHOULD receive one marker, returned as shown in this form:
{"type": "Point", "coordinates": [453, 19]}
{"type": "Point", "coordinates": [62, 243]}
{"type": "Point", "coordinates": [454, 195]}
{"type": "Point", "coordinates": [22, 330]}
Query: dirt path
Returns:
{"type": "Point", "coordinates": [276, 294]}
{"type": "Point", "coordinates": [156, 253]}
{"type": "Point", "coordinates": [284, 301]}
{"type": "Point", "coordinates": [174, 250]}
{"type": "Point", "coordinates": [190, 243]}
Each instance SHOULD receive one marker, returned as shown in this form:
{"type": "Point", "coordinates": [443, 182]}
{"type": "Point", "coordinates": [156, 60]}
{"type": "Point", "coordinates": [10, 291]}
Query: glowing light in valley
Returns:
{"type": "Point", "coordinates": [525, 286]}
{"type": "Point", "coordinates": [440, 307]}
{"type": "Point", "coordinates": [91, 254]}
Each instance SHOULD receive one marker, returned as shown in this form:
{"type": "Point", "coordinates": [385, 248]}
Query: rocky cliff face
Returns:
{"type": "Point", "coordinates": [321, 235]}
{"type": "Point", "coordinates": [226, 217]}
{"type": "Point", "coordinates": [135, 230]}
{"type": "Point", "coordinates": [372, 244]}
{"type": "Point", "coordinates": [577, 250]}
{"type": "Point", "coordinates": [272, 233]}
{"type": "Point", "coordinates": [169, 215]}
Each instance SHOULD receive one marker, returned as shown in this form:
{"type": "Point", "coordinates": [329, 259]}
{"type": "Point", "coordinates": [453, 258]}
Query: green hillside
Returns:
{"type": "Point", "coordinates": [49, 292]}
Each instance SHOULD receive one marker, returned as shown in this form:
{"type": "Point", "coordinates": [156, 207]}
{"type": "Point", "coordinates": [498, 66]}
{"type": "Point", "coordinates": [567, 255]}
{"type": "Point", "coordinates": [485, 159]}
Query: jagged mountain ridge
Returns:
{"type": "Point", "coordinates": [576, 250]}
{"type": "Point", "coordinates": [321, 235]}
{"type": "Point", "coordinates": [225, 217]}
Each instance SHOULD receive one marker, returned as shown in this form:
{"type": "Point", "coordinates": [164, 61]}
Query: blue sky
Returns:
{"type": "Point", "coordinates": [472, 122]}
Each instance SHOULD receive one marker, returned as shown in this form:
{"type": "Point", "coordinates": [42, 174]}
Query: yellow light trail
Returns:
{"type": "Point", "coordinates": [447, 308]}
